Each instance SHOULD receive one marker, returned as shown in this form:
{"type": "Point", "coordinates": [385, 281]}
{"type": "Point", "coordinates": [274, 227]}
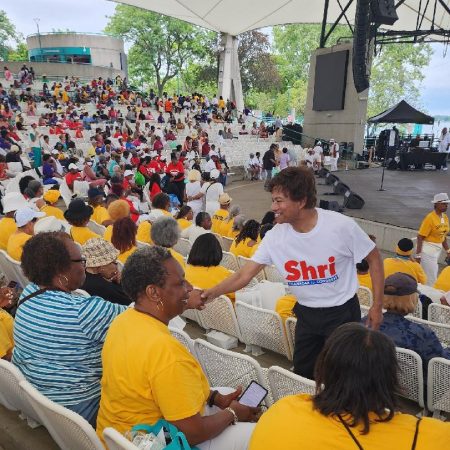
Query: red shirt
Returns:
{"type": "Point", "coordinates": [154, 191]}
{"type": "Point", "coordinates": [177, 167]}
{"type": "Point", "coordinates": [158, 145]}
{"type": "Point", "coordinates": [71, 177]}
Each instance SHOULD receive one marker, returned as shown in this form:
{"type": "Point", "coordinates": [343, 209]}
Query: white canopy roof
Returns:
{"type": "Point", "coordinates": [238, 16]}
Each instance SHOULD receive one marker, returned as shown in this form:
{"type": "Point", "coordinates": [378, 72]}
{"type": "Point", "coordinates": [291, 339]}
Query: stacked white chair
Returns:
{"type": "Point", "coordinates": [263, 328]}
{"type": "Point", "coordinates": [410, 375]}
{"type": "Point", "coordinates": [69, 430]}
{"type": "Point", "coordinates": [438, 388]}
{"type": "Point", "coordinates": [12, 397]}
{"type": "Point", "coordinates": [283, 382]}
{"type": "Point", "coordinates": [183, 246]}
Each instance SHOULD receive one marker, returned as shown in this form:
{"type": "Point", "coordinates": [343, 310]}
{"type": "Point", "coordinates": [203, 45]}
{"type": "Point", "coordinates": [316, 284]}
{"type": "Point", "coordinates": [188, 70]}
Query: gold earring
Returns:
{"type": "Point", "coordinates": [66, 281]}
{"type": "Point", "coordinates": [160, 305]}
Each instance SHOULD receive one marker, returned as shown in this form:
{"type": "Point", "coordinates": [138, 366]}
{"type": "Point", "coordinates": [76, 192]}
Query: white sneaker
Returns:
{"type": "Point", "coordinates": [444, 168]}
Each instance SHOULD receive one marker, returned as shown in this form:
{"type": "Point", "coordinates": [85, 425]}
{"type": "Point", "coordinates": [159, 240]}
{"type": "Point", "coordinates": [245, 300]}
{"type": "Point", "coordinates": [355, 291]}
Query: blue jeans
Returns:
{"type": "Point", "coordinates": [88, 410]}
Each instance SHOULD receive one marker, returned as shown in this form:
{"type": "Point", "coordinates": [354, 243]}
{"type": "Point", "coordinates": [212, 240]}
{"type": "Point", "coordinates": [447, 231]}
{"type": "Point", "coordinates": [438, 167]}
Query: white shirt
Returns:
{"type": "Point", "coordinates": [444, 144]}
{"type": "Point", "coordinates": [193, 232]}
{"type": "Point", "coordinates": [312, 160]}
{"type": "Point", "coordinates": [334, 148]}
{"type": "Point", "coordinates": [318, 150]}
{"type": "Point", "coordinates": [319, 266]}
{"type": "Point", "coordinates": [192, 189]}
{"type": "Point", "coordinates": [210, 165]}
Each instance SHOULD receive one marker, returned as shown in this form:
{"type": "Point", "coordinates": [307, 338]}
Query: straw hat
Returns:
{"type": "Point", "coordinates": [99, 252]}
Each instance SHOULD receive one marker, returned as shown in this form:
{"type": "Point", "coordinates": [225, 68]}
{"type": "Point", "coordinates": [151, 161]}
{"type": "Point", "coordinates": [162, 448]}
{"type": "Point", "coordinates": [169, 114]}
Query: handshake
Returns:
{"type": "Point", "coordinates": [198, 298]}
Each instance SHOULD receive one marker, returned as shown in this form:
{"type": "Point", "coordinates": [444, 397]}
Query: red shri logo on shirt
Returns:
{"type": "Point", "coordinates": [300, 274]}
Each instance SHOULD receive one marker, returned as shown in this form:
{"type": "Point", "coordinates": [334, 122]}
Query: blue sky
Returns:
{"type": "Point", "coordinates": [90, 15]}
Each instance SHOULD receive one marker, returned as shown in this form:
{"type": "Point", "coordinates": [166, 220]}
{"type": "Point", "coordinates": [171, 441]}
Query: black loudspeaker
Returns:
{"type": "Point", "coordinates": [361, 37]}
{"type": "Point", "coordinates": [330, 178]}
{"type": "Point", "coordinates": [353, 201]}
{"type": "Point", "coordinates": [384, 12]}
{"type": "Point", "coordinates": [340, 188]}
{"type": "Point", "coordinates": [323, 172]}
{"type": "Point", "coordinates": [293, 133]}
{"type": "Point", "coordinates": [331, 206]}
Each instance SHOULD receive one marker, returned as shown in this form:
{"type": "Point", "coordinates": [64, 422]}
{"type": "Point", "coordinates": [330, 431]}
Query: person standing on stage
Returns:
{"type": "Point", "coordinates": [444, 145]}
{"type": "Point", "coordinates": [432, 237]}
{"type": "Point", "coordinates": [334, 155]}
{"type": "Point", "coordinates": [316, 252]}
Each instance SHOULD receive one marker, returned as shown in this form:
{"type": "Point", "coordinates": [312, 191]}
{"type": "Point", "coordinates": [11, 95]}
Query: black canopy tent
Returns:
{"type": "Point", "coordinates": [402, 113]}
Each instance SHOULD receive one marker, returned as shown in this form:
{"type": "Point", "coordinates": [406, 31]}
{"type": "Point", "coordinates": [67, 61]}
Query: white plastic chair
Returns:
{"type": "Point", "coordinates": [410, 375]}
{"type": "Point", "coordinates": [272, 274]}
{"type": "Point", "coordinates": [442, 331]}
{"type": "Point", "coordinates": [219, 315]}
{"type": "Point", "coordinates": [229, 261]}
{"type": "Point", "coordinates": [242, 260]}
{"type": "Point", "coordinates": [290, 324]}
{"type": "Point", "coordinates": [284, 382]}
{"type": "Point", "coordinates": [365, 296]}
{"type": "Point", "coordinates": [116, 441]}
{"type": "Point", "coordinates": [439, 313]}
{"type": "Point", "coordinates": [96, 228]}
{"type": "Point", "coordinates": [7, 268]}
{"type": "Point", "coordinates": [183, 246]}
{"type": "Point", "coordinates": [81, 188]}
{"type": "Point", "coordinates": [20, 276]}
{"type": "Point", "coordinates": [69, 430]}
{"type": "Point", "coordinates": [263, 328]}
{"type": "Point", "coordinates": [438, 388]}
{"type": "Point", "coordinates": [227, 368]}
{"type": "Point", "coordinates": [11, 396]}
{"type": "Point", "coordinates": [226, 243]}
{"type": "Point", "coordinates": [184, 338]}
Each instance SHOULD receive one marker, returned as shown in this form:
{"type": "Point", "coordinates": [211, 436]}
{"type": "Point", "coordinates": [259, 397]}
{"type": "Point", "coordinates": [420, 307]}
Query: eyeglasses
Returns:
{"type": "Point", "coordinates": [81, 260]}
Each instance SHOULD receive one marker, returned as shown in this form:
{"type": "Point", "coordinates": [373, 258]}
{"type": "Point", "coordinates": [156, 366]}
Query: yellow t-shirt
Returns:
{"type": "Point", "coordinates": [82, 234]}
{"type": "Point", "coordinates": [147, 375]}
{"type": "Point", "coordinates": [226, 227]}
{"type": "Point", "coordinates": [232, 234]}
{"type": "Point", "coordinates": [6, 333]}
{"type": "Point", "coordinates": [434, 228]}
{"type": "Point", "coordinates": [184, 223]}
{"type": "Point", "coordinates": [7, 228]}
{"type": "Point", "coordinates": [443, 280]}
{"type": "Point", "coordinates": [217, 220]}
{"type": "Point", "coordinates": [413, 268]}
{"type": "Point", "coordinates": [100, 215]}
{"type": "Point", "coordinates": [108, 233]}
{"type": "Point", "coordinates": [365, 280]}
{"type": "Point", "coordinates": [279, 428]}
{"type": "Point", "coordinates": [53, 211]}
{"type": "Point", "coordinates": [143, 232]}
{"type": "Point", "coordinates": [207, 277]}
{"type": "Point", "coordinates": [15, 244]}
{"type": "Point", "coordinates": [221, 103]}
{"type": "Point", "coordinates": [242, 249]}
{"type": "Point", "coordinates": [124, 256]}
{"type": "Point", "coordinates": [178, 257]}
{"type": "Point", "coordinates": [285, 305]}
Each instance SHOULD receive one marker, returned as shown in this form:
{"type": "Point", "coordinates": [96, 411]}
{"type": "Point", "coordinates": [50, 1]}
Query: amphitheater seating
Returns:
{"type": "Point", "coordinates": [438, 394]}
{"type": "Point", "coordinates": [282, 382]}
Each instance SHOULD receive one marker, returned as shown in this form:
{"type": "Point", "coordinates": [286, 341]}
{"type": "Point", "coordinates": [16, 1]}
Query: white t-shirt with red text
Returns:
{"type": "Point", "coordinates": [318, 266]}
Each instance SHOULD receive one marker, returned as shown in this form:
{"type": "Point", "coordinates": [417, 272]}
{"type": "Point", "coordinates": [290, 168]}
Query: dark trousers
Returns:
{"type": "Point", "coordinates": [314, 325]}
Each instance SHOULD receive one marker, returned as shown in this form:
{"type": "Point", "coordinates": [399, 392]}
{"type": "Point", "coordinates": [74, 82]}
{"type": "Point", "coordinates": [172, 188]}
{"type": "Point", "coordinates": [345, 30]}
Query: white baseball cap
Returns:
{"type": "Point", "coordinates": [13, 201]}
{"type": "Point", "coordinates": [72, 166]}
{"type": "Point", "coordinates": [128, 173]}
{"type": "Point", "coordinates": [441, 198]}
{"type": "Point", "coordinates": [26, 215]}
{"type": "Point", "coordinates": [48, 223]}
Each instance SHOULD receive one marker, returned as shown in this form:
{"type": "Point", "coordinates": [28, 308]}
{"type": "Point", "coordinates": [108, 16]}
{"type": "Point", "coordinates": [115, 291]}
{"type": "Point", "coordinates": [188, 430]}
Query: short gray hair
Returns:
{"type": "Point", "coordinates": [234, 211]}
{"type": "Point", "coordinates": [165, 232]}
{"type": "Point", "coordinates": [143, 268]}
{"type": "Point", "coordinates": [238, 222]}
{"type": "Point", "coordinates": [32, 188]}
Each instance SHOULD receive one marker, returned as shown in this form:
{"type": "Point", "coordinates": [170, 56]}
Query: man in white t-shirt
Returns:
{"type": "Point", "coordinates": [444, 145]}
{"type": "Point", "coordinates": [316, 252]}
{"type": "Point", "coordinates": [334, 155]}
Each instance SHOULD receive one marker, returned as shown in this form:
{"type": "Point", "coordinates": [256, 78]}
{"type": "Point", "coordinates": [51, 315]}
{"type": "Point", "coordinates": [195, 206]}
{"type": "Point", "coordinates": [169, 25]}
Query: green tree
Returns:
{"type": "Point", "coordinates": [8, 34]}
{"type": "Point", "coordinates": [20, 53]}
{"type": "Point", "coordinates": [161, 45]}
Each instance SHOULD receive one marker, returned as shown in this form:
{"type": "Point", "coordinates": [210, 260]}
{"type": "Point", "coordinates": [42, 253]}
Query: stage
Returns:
{"type": "Point", "coordinates": [404, 203]}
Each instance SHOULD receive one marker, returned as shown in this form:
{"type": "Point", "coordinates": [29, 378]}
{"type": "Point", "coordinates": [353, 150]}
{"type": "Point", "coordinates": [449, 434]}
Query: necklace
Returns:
{"type": "Point", "coordinates": [149, 314]}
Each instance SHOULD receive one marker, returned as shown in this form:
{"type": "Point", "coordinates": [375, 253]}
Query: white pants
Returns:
{"type": "Point", "coordinates": [334, 162]}
{"type": "Point", "coordinates": [234, 437]}
{"type": "Point", "coordinates": [429, 261]}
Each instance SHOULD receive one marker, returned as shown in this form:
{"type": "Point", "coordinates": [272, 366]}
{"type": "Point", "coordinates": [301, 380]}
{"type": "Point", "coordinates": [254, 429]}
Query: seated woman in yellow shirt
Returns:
{"type": "Point", "coordinates": [403, 262]}
{"type": "Point", "coordinates": [166, 232]}
{"type": "Point", "coordinates": [362, 271]}
{"type": "Point", "coordinates": [6, 324]}
{"type": "Point", "coordinates": [124, 238]}
{"type": "Point", "coordinates": [184, 217]}
{"type": "Point", "coordinates": [443, 280]}
{"type": "Point", "coordinates": [356, 409]}
{"type": "Point", "coordinates": [226, 226]}
{"type": "Point", "coordinates": [284, 307]}
{"type": "Point", "coordinates": [236, 227]}
{"type": "Point", "coordinates": [117, 209]}
{"type": "Point", "coordinates": [149, 375]}
{"type": "Point", "coordinates": [51, 197]}
{"type": "Point", "coordinates": [245, 243]}
{"type": "Point", "coordinates": [78, 215]}
{"type": "Point", "coordinates": [96, 200]}
{"type": "Point", "coordinates": [25, 219]}
{"type": "Point", "coordinates": [203, 269]}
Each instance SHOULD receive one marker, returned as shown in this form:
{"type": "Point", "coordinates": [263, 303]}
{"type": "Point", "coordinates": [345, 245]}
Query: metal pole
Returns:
{"type": "Point", "coordinates": [39, 38]}
{"type": "Point", "coordinates": [324, 24]}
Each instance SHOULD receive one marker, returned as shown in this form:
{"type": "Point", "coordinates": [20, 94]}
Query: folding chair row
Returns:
{"type": "Point", "coordinates": [12, 269]}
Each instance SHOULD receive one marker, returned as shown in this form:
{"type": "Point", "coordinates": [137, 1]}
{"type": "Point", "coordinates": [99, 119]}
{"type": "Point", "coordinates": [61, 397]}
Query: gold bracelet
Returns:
{"type": "Point", "coordinates": [235, 417]}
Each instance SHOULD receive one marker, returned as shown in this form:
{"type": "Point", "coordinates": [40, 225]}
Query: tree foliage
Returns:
{"type": "Point", "coordinates": [20, 53]}
{"type": "Point", "coordinates": [8, 35]}
{"type": "Point", "coordinates": [161, 45]}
